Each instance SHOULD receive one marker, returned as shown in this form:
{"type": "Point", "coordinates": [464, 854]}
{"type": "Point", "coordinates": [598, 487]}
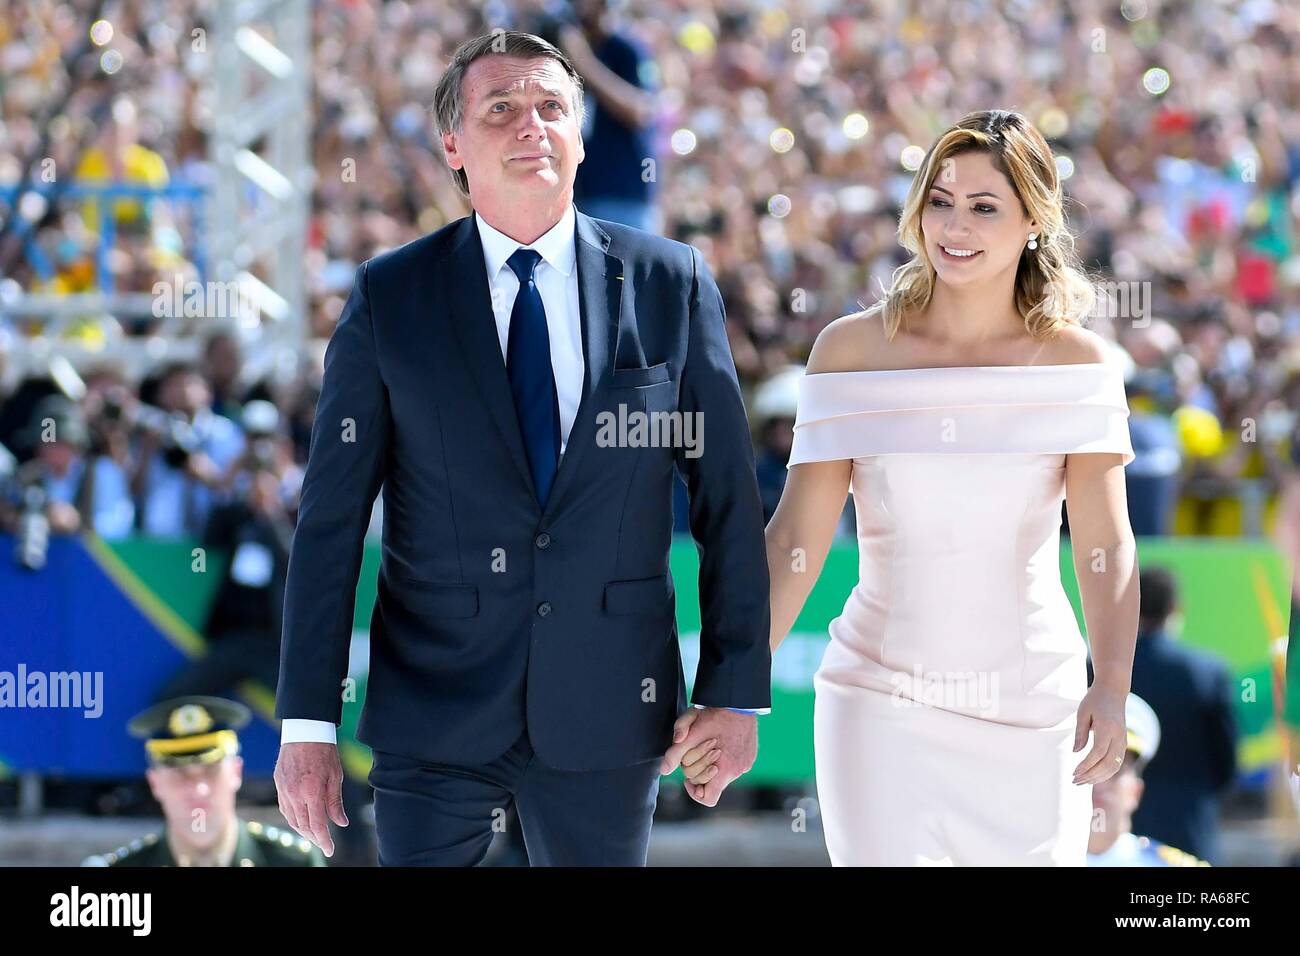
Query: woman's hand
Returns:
{"type": "Point", "coordinates": [699, 764]}
{"type": "Point", "coordinates": [1102, 712]}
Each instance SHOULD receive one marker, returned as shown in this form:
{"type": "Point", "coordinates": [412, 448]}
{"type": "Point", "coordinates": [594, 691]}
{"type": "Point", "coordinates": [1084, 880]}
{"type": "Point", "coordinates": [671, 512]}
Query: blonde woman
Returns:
{"type": "Point", "coordinates": [953, 716]}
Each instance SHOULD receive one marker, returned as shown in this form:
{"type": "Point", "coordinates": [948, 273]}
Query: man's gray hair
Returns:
{"type": "Point", "coordinates": [449, 98]}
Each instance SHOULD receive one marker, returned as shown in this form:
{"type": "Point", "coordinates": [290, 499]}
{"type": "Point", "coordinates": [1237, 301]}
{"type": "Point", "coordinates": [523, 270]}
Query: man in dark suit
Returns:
{"type": "Point", "coordinates": [496, 379]}
{"type": "Point", "coordinates": [1192, 695]}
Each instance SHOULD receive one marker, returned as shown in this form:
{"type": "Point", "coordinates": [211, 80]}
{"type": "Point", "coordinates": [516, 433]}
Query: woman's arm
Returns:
{"type": "Point", "coordinates": [1105, 563]}
{"type": "Point", "coordinates": [799, 537]}
{"type": "Point", "coordinates": [800, 532]}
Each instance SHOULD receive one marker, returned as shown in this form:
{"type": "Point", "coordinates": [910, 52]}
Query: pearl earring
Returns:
{"type": "Point", "coordinates": [1033, 240]}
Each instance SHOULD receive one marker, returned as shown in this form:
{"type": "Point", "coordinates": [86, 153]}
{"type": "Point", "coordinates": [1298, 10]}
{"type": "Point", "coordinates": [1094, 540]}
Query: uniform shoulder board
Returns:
{"type": "Point", "coordinates": [283, 838]}
{"type": "Point", "coordinates": [1176, 857]}
{"type": "Point", "coordinates": [123, 853]}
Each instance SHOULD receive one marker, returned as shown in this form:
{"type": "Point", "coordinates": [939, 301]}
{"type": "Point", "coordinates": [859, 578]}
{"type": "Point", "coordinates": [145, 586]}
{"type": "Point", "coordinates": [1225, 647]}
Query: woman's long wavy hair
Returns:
{"type": "Point", "coordinates": [1051, 290]}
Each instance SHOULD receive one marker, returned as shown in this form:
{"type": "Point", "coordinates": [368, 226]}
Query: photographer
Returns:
{"type": "Point", "coordinates": [75, 480]}
{"type": "Point", "coordinates": [106, 406]}
{"type": "Point", "coordinates": [185, 453]}
{"type": "Point", "coordinates": [255, 530]}
{"type": "Point", "coordinates": [621, 106]}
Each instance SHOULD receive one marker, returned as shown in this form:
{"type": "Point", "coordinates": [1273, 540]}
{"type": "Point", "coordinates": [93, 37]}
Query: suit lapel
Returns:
{"type": "Point", "coordinates": [475, 325]}
{"type": "Point", "coordinates": [600, 297]}
{"type": "Point", "coordinates": [600, 291]}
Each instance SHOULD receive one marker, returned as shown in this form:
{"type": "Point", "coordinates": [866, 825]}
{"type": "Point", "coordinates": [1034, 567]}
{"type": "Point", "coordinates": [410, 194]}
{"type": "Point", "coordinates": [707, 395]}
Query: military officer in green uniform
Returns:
{"type": "Point", "coordinates": [1112, 841]}
{"type": "Point", "coordinates": [195, 773]}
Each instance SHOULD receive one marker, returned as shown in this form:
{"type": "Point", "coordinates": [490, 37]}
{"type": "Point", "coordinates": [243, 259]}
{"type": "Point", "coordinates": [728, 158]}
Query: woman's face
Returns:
{"type": "Point", "coordinates": [973, 224]}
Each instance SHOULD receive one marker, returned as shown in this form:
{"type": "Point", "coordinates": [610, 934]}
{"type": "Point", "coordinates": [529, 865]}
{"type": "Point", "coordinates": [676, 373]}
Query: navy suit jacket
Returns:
{"type": "Point", "coordinates": [1193, 695]}
{"type": "Point", "coordinates": [495, 615]}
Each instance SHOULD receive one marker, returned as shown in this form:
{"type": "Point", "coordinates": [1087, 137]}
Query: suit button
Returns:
{"type": "Point", "coordinates": [544, 609]}
{"type": "Point", "coordinates": [543, 541]}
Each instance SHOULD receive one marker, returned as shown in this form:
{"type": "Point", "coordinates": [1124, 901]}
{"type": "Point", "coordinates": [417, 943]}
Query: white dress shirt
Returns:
{"type": "Point", "coordinates": [556, 276]}
{"type": "Point", "coordinates": [557, 281]}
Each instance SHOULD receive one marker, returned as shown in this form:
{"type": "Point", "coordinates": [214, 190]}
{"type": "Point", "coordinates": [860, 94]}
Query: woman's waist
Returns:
{"type": "Point", "coordinates": [989, 632]}
{"type": "Point", "coordinates": [1027, 603]}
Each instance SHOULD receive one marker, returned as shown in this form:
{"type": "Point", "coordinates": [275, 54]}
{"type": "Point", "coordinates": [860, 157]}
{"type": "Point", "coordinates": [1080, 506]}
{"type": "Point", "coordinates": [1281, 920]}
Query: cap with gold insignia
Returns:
{"type": "Point", "coordinates": [190, 730]}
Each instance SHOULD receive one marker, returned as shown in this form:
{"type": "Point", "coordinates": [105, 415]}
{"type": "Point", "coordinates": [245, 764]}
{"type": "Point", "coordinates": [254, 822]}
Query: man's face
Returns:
{"type": "Point", "coordinates": [185, 392]}
{"type": "Point", "coordinates": [57, 456]}
{"type": "Point", "coordinates": [519, 139]}
{"type": "Point", "coordinates": [199, 800]}
{"type": "Point", "coordinates": [589, 12]}
{"type": "Point", "coordinates": [1212, 145]}
{"type": "Point", "coordinates": [224, 360]}
{"type": "Point", "coordinates": [1114, 801]}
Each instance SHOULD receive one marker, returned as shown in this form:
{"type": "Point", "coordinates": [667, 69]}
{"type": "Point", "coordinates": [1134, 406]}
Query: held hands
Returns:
{"type": "Point", "coordinates": [309, 784]}
{"type": "Point", "coordinates": [713, 746]}
{"type": "Point", "coordinates": [1102, 712]}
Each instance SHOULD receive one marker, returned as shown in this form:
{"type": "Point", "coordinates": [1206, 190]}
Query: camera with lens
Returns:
{"type": "Point", "coordinates": [177, 437]}
{"type": "Point", "coordinates": [23, 494]}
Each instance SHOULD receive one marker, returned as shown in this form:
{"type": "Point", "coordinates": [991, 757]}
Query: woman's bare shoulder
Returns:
{"type": "Point", "coordinates": [1075, 345]}
{"type": "Point", "coordinates": [852, 343]}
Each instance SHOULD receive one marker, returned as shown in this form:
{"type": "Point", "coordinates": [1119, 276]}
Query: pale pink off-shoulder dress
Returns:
{"type": "Point", "coordinates": [946, 699]}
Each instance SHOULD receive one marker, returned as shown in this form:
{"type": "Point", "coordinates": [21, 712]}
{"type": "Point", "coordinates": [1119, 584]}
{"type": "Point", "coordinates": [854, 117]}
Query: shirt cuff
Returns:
{"type": "Point", "coordinates": [297, 730]}
{"type": "Point", "coordinates": [739, 710]}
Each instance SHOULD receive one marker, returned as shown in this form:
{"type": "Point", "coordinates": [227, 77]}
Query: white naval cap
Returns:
{"type": "Point", "coordinates": [1143, 727]}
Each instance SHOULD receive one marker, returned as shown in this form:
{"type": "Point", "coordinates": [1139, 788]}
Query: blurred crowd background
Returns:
{"type": "Point", "coordinates": [778, 137]}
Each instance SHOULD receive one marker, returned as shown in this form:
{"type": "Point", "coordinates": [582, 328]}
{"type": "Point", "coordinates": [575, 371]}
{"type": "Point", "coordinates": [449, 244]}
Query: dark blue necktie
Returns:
{"type": "Point", "coordinates": [532, 381]}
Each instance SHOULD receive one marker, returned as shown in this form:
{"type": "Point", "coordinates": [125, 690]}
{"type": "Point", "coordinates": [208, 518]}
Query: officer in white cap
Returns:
{"type": "Point", "coordinates": [1112, 841]}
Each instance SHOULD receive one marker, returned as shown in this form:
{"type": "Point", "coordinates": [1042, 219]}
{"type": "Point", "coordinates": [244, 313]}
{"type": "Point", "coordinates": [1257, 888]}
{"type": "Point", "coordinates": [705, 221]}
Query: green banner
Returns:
{"type": "Point", "coordinates": [1235, 595]}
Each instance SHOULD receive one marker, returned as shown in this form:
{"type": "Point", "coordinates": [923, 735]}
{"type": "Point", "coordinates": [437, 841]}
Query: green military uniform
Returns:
{"type": "Point", "coordinates": [257, 845]}
{"type": "Point", "coordinates": [202, 730]}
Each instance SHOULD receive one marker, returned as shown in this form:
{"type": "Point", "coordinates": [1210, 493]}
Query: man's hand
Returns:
{"type": "Point", "coordinates": [264, 495]}
{"type": "Point", "coordinates": [734, 739]}
{"type": "Point", "coordinates": [64, 518]}
{"type": "Point", "coordinates": [309, 784]}
{"type": "Point", "coordinates": [575, 46]}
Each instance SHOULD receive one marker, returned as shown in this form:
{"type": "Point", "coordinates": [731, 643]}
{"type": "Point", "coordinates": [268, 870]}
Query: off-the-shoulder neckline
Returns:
{"type": "Point", "coordinates": [956, 368]}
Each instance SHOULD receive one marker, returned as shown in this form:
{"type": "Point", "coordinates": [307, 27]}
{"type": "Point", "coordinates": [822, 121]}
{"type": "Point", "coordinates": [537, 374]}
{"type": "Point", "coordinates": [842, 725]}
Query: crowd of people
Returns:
{"type": "Point", "coordinates": [778, 139]}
